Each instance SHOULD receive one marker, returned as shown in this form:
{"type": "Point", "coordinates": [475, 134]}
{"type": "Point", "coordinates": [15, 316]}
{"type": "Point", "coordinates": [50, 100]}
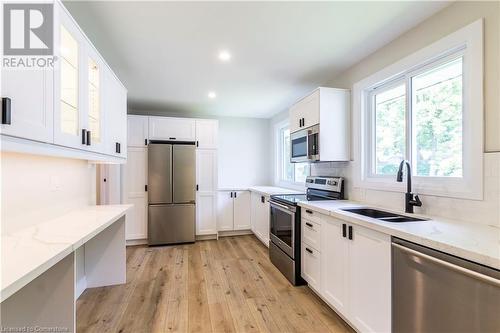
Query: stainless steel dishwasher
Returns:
{"type": "Point", "coordinates": [436, 292]}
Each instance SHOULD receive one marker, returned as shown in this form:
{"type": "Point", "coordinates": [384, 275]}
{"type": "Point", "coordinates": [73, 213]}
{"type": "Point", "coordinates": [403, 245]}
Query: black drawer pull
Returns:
{"type": "Point", "coordinates": [309, 250]}
{"type": "Point", "coordinates": [89, 136]}
{"type": "Point", "coordinates": [309, 224]}
{"type": "Point", "coordinates": [344, 230]}
{"type": "Point", "coordinates": [350, 232]}
{"type": "Point", "coordinates": [172, 138]}
{"type": "Point", "coordinates": [6, 107]}
{"type": "Point", "coordinates": [263, 199]}
{"type": "Point", "coordinates": [84, 136]}
{"type": "Point", "coordinates": [308, 211]}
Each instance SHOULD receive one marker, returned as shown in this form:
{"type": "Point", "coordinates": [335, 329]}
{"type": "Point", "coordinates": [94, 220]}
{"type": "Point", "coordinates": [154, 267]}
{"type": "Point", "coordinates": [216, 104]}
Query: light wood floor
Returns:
{"type": "Point", "coordinates": [227, 285]}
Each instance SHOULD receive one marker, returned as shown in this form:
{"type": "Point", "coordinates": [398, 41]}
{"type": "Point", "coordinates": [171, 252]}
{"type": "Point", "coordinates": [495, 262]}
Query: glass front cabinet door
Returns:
{"type": "Point", "coordinates": [94, 98]}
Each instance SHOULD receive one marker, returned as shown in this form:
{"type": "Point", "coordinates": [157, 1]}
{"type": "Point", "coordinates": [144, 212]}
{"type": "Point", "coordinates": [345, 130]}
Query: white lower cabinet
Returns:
{"type": "Point", "coordinates": [311, 266]}
{"type": "Point", "coordinates": [206, 194]}
{"type": "Point", "coordinates": [233, 210]}
{"type": "Point", "coordinates": [260, 208]}
{"type": "Point", "coordinates": [351, 271]}
{"type": "Point", "coordinates": [206, 215]}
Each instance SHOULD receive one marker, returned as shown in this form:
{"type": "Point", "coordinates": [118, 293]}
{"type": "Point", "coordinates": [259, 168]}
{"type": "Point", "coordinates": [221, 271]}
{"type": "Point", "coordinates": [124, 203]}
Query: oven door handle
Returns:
{"type": "Point", "coordinates": [280, 205]}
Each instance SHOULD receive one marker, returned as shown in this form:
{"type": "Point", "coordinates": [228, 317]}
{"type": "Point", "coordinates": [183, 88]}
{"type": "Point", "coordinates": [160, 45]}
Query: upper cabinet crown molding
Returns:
{"type": "Point", "coordinates": [330, 109]}
{"type": "Point", "coordinates": [79, 103]}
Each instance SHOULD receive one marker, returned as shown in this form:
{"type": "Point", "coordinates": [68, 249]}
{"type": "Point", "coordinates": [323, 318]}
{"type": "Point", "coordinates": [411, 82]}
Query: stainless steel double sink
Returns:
{"type": "Point", "coordinates": [382, 215]}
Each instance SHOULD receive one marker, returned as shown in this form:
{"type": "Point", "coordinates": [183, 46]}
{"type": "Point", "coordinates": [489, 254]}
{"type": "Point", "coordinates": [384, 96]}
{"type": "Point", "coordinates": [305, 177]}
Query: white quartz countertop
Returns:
{"type": "Point", "coordinates": [475, 242]}
{"type": "Point", "coordinates": [29, 252]}
{"type": "Point", "coordinates": [271, 190]}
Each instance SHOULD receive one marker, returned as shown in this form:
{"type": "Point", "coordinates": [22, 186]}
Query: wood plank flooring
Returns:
{"type": "Point", "coordinates": [227, 285]}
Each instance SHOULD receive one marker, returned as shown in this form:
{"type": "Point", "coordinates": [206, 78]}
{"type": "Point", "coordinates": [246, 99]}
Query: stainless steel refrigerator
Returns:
{"type": "Point", "coordinates": [171, 193]}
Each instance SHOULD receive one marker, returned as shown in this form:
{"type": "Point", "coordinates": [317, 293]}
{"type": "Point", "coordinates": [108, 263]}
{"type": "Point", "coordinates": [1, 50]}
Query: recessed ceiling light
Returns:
{"type": "Point", "coordinates": [224, 55]}
{"type": "Point", "coordinates": [212, 95]}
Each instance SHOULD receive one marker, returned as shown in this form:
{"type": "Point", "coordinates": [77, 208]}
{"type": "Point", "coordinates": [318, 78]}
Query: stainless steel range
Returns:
{"type": "Point", "coordinates": [284, 248]}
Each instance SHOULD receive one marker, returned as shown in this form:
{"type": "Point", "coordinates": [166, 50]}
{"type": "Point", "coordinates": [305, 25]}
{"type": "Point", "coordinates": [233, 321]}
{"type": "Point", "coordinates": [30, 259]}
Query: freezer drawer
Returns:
{"type": "Point", "coordinates": [436, 292]}
{"type": "Point", "coordinates": [171, 224]}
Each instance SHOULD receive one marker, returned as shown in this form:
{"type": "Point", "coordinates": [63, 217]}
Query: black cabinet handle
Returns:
{"type": "Point", "coordinates": [145, 142]}
{"type": "Point", "coordinates": [197, 187]}
{"type": "Point", "coordinates": [309, 224]}
{"type": "Point", "coordinates": [6, 108]}
{"type": "Point", "coordinates": [350, 232]}
{"type": "Point", "coordinates": [262, 199]}
{"type": "Point", "coordinates": [172, 138]}
{"type": "Point", "coordinates": [308, 211]}
{"type": "Point", "coordinates": [344, 230]}
{"type": "Point", "coordinates": [231, 194]}
{"type": "Point", "coordinates": [146, 188]}
{"type": "Point", "coordinates": [84, 136]}
{"type": "Point", "coordinates": [118, 147]}
{"type": "Point", "coordinates": [235, 194]}
{"type": "Point", "coordinates": [197, 143]}
{"type": "Point", "coordinates": [89, 136]}
{"type": "Point", "coordinates": [309, 250]}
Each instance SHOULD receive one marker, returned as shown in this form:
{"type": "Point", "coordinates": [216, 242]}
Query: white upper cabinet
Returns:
{"type": "Point", "coordinates": [31, 97]}
{"type": "Point", "coordinates": [329, 109]}
{"type": "Point", "coordinates": [115, 101]}
{"type": "Point", "coordinates": [70, 84]}
{"type": "Point", "coordinates": [206, 133]}
{"type": "Point", "coordinates": [70, 105]}
{"type": "Point", "coordinates": [137, 131]}
{"type": "Point", "coordinates": [173, 129]}
{"type": "Point", "coordinates": [206, 170]}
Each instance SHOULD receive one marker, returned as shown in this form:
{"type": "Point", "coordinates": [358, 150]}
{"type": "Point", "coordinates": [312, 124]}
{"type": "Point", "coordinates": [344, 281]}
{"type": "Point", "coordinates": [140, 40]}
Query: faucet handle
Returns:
{"type": "Point", "coordinates": [416, 201]}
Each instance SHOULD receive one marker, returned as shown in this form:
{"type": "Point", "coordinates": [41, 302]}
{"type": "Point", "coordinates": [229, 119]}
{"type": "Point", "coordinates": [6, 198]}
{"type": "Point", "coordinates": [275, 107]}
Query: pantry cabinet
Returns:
{"type": "Point", "coordinates": [234, 210]}
{"type": "Point", "coordinates": [350, 269]}
{"type": "Point", "coordinates": [206, 194]}
{"type": "Point", "coordinates": [78, 103]}
{"type": "Point", "coordinates": [260, 216]}
{"type": "Point", "coordinates": [134, 192]}
{"type": "Point", "coordinates": [172, 129]}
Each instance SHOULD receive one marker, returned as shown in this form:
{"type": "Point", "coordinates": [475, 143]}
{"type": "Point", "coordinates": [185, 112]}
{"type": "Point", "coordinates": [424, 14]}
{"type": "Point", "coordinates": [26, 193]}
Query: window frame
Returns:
{"type": "Point", "coordinates": [279, 181]}
{"type": "Point", "coordinates": [466, 43]}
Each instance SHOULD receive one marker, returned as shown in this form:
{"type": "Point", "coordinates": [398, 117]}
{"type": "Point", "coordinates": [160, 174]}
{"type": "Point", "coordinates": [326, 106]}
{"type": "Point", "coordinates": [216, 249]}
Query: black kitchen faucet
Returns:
{"type": "Point", "coordinates": [411, 199]}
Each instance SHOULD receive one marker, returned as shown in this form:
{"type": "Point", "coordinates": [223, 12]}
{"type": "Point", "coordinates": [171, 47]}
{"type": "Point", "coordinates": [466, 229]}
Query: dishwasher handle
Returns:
{"type": "Point", "coordinates": [472, 274]}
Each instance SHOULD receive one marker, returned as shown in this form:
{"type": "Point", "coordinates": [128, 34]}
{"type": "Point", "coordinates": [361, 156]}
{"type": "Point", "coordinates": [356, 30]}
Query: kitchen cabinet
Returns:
{"type": "Point", "coordinates": [134, 189]}
{"type": "Point", "coordinates": [260, 217]}
{"type": "Point", "coordinates": [115, 102]}
{"type": "Point", "coordinates": [351, 271]}
{"type": "Point", "coordinates": [173, 129]}
{"type": "Point", "coordinates": [137, 131]}
{"type": "Point", "coordinates": [329, 109]}
{"type": "Point", "coordinates": [69, 105]}
{"type": "Point", "coordinates": [206, 194]}
{"type": "Point", "coordinates": [31, 96]}
{"type": "Point", "coordinates": [233, 210]}
{"type": "Point", "coordinates": [206, 133]}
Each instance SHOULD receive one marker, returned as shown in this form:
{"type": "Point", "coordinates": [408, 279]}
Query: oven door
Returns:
{"type": "Point", "coordinates": [283, 227]}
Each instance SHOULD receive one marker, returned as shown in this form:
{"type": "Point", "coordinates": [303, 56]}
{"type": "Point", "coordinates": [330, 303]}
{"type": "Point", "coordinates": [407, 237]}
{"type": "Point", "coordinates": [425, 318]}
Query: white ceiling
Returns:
{"type": "Point", "coordinates": [166, 52]}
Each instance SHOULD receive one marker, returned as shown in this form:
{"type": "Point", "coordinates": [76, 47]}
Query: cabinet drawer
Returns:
{"type": "Point", "coordinates": [311, 233]}
{"type": "Point", "coordinates": [311, 215]}
{"type": "Point", "coordinates": [311, 269]}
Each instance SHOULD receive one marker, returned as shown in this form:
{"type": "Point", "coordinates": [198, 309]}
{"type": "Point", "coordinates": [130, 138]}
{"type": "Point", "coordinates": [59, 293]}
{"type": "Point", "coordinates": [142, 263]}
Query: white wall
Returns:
{"type": "Point", "coordinates": [35, 189]}
{"type": "Point", "coordinates": [244, 152]}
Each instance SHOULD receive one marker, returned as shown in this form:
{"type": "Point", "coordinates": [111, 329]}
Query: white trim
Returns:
{"type": "Point", "coordinates": [470, 39]}
{"type": "Point", "coordinates": [278, 161]}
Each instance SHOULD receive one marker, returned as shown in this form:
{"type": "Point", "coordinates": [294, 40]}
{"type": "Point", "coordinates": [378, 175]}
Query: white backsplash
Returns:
{"type": "Point", "coordinates": [486, 211]}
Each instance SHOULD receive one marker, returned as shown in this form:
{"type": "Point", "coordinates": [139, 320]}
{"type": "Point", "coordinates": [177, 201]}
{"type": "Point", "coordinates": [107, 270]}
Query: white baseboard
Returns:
{"type": "Point", "coordinates": [206, 237]}
{"type": "Point", "coordinates": [133, 242]}
{"type": "Point", "coordinates": [235, 233]}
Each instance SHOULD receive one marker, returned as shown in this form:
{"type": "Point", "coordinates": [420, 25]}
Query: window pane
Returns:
{"type": "Point", "coordinates": [437, 120]}
{"type": "Point", "coordinates": [287, 167]}
{"type": "Point", "coordinates": [301, 172]}
{"type": "Point", "coordinates": [390, 127]}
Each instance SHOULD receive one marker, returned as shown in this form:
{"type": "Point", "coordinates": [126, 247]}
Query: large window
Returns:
{"type": "Point", "coordinates": [289, 172]}
{"type": "Point", "coordinates": [418, 117]}
{"type": "Point", "coordinates": [428, 109]}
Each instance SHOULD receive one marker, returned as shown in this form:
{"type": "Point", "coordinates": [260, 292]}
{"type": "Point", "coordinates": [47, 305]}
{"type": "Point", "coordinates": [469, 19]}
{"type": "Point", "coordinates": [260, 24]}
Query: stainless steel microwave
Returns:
{"type": "Point", "coordinates": [305, 145]}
